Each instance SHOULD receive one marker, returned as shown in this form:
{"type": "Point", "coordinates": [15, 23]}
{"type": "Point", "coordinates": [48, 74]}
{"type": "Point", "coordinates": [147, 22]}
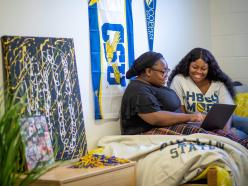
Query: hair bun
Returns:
{"type": "Point", "coordinates": [131, 73]}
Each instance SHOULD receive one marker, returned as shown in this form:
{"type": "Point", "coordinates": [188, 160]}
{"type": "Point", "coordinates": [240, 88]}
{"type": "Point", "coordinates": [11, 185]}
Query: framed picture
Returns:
{"type": "Point", "coordinates": [36, 137]}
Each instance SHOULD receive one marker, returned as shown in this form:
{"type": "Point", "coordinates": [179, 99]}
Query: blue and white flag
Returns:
{"type": "Point", "coordinates": [150, 10]}
{"type": "Point", "coordinates": [112, 52]}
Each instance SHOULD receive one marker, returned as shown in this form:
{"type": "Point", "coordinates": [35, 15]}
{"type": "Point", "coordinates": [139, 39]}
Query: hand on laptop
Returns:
{"type": "Point", "coordinates": [197, 117]}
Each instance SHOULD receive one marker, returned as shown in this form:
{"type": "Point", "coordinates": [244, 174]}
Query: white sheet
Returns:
{"type": "Point", "coordinates": [162, 161]}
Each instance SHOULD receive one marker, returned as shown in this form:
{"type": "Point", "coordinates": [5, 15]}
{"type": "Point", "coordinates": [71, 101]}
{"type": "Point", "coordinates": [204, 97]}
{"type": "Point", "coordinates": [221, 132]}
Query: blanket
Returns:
{"type": "Point", "coordinates": [171, 160]}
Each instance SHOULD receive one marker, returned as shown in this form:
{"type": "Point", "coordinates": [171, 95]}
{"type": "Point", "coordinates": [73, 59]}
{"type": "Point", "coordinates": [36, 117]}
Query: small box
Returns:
{"type": "Point", "coordinates": [117, 175]}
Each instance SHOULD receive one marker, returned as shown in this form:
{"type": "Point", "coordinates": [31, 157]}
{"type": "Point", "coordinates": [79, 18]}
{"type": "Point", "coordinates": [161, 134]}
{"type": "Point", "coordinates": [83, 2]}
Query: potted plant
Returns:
{"type": "Point", "coordinates": [12, 154]}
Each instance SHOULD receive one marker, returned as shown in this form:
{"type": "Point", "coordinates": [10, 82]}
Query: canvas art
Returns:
{"type": "Point", "coordinates": [44, 72]}
{"type": "Point", "coordinates": [38, 146]}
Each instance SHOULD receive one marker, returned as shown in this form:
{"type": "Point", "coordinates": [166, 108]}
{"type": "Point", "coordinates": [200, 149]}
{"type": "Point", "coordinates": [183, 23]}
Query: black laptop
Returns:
{"type": "Point", "coordinates": [218, 116]}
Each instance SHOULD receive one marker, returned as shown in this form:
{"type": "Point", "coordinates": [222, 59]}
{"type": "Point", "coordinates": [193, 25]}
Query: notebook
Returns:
{"type": "Point", "coordinates": [218, 116]}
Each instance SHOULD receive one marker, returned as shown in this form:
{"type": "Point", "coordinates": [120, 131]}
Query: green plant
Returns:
{"type": "Point", "coordinates": [12, 154]}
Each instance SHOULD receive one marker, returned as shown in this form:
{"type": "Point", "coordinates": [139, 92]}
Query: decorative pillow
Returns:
{"type": "Point", "coordinates": [242, 104]}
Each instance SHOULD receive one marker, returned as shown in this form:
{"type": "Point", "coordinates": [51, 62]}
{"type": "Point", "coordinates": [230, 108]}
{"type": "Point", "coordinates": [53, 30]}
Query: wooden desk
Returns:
{"type": "Point", "coordinates": [211, 179]}
{"type": "Point", "coordinates": [119, 175]}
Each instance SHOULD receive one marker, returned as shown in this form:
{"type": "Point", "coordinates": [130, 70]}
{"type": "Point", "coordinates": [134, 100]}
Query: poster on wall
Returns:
{"type": "Point", "coordinates": [111, 51]}
{"type": "Point", "coordinates": [45, 71]}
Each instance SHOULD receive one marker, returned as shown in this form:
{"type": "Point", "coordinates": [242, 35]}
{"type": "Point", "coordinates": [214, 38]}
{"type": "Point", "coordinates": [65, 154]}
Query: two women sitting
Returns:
{"type": "Point", "coordinates": [149, 107]}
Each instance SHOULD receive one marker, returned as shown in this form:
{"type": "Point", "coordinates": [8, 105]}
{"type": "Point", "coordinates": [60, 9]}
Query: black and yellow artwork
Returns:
{"type": "Point", "coordinates": [44, 72]}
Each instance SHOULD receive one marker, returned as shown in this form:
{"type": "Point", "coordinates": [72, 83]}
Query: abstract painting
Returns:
{"type": "Point", "coordinates": [43, 71]}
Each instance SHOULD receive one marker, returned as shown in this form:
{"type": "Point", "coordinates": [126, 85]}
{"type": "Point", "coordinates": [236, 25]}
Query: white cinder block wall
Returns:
{"type": "Point", "coordinates": [229, 35]}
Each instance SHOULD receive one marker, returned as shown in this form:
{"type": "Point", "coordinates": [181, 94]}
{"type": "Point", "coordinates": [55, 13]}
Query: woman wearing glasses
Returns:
{"type": "Point", "coordinates": [199, 82]}
{"type": "Point", "coordinates": [148, 107]}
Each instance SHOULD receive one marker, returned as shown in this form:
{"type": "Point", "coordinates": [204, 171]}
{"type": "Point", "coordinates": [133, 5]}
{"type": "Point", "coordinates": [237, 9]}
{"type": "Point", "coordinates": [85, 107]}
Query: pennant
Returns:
{"type": "Point", "coordinates": [111, 51]}
{"type": "Point", "coordinates": [150, 10]}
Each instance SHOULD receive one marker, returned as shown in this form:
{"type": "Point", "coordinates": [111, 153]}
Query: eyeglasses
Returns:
{"type": "Point", "coordinates": [164, 72]}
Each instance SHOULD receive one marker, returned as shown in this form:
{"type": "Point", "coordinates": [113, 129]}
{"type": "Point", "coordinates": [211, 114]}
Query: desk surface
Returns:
{"type": "Point", "coordinates": [64, 174]}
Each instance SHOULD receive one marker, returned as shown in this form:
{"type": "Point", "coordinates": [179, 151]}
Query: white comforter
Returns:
{"type": "Point", "coordinates": [168, 160]}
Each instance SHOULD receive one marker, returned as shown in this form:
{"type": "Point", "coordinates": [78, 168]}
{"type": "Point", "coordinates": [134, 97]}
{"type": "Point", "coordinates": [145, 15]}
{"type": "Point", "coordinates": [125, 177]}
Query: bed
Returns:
{"type": "Point", "coordinates": [241, 110]}
{"type": "Point", "coordinates": [176, 160]}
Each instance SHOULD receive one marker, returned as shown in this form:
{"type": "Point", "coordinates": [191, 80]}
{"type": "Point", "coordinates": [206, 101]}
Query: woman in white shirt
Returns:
{"type": "Point", "coordinates": [199, 82]}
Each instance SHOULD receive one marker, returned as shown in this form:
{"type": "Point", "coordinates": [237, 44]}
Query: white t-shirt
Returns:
{"type": "Point", "coordinates": [192, 97]}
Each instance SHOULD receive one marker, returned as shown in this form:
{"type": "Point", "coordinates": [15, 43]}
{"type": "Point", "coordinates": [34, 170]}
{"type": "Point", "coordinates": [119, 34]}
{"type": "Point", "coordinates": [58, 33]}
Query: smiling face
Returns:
{"type": "Point", "coordinates": [198, 71]}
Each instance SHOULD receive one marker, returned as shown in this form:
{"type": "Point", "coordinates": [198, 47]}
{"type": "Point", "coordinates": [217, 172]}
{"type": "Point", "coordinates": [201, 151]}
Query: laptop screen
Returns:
{"type": "Point", "coordinates": [218, 116]}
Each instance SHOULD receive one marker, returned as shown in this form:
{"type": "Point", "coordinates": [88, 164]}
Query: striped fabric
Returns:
{"type": "Point", "coordinates": [186, 129]}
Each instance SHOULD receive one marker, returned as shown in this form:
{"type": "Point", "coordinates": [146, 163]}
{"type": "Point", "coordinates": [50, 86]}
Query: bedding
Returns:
{"type": "Point", "coordinates": [171, 160]}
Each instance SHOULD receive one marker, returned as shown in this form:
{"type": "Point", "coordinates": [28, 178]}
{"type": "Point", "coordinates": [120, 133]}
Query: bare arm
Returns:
{"type": "Point", "coordinates": [165, 118]}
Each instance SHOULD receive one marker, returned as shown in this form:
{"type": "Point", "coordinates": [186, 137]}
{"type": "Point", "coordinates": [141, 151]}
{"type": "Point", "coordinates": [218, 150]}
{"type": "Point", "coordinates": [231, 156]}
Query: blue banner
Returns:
{"type": "Point", "coordinates": [150, 10]}
{"type": "Point", "coordinates": [112, 52]}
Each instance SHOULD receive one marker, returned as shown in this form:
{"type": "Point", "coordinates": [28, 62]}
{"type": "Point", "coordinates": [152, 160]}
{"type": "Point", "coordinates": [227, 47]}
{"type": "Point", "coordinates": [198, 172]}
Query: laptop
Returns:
{"type": "Point", "coordinates": [218, 116]}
